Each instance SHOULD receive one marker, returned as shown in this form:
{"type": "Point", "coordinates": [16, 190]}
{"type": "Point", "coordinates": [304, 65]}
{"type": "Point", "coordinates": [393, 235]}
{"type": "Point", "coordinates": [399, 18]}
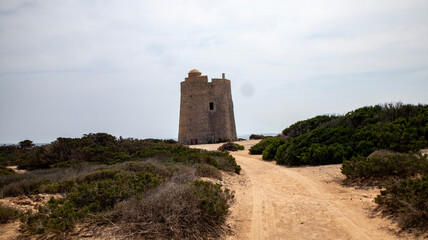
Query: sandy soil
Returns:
{"type": "Point", "coordinates": [277, 202]}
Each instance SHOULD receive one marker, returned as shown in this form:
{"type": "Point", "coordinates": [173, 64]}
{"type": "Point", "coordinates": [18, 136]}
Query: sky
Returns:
{"type": "Point", "coordinates": [69, 68]}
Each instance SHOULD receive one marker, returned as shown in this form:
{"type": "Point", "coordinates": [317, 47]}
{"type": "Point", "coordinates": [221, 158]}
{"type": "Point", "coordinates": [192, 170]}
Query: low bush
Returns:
{"type": "Point", "coordinates": [381, 166]}
{"type": "Point", "coordinates": [90, 195]}
{"type": "Point", "coordinates": [407, 201]}
{"type": "Point", "coordinates": [205, 170]}
{"type": "Point", "coordinates": [256, 137]}
{"type": "Point", "coordinates": [194, 210]}
{"type": "Point", "coordinates": [102, 148]}
{"type": "Point", "coordinates": [230, 146]}
{"type": "Point", "coordinates": [259, 147]}
{"type": "Point", "coordinates": [5, 171]}
{"type": "Point", "coordinates": [38, 181]}
{"type": "Point", "coordinates": [8, 214]}
{"type": "Point", "coordinates": [270, 150]}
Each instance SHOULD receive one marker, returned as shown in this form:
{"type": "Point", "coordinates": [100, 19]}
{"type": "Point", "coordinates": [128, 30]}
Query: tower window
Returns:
{"type": "Point", "coordinates": [211, 106]}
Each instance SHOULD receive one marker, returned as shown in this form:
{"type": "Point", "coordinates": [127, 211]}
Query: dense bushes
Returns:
{"type": "Point", "coordinates": [332, 139]}
{"type": "Point", "coordinates": [259, 147]}
{"type": "Point", "coordinates": [408, 201]}
{"type": "Point", "coordinates": [9, 155]}
{"type": "Point", "coordinates": [94, 193]}
{"type": "Point", "coordinates": [192, 210]}
{"type": "Point", "coordinates": [39, 181]}
{"type": "Point", "coordinates": [305, 126]}
{"type": "Point", "coordinates": [102, 148]}
{"type": "Point", "coordinates": [230, 146]}
{"type": "Point", "coordinates": [98, 175]}
{"type": "Point", "coordinates": [269, 151]}
{"type": "Point", "coordinates": [140, 196]}
{"type": "Point", "coordinates": [399, 165]}
{"type": "Point", "coordinates": [406, 197]}
{"type": "Point", "coordinates": [7, 214]}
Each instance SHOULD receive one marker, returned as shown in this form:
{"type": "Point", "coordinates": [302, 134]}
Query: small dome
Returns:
{"type": "Point", "coordinates": [194, 73]}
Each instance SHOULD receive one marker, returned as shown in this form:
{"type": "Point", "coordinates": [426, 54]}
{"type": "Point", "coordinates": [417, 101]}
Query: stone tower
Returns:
{"type": "Point", "coordinates": [206, 110]}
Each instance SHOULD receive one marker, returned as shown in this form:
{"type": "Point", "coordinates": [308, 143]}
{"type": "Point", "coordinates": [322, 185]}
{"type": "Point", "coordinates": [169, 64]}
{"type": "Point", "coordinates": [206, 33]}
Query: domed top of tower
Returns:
{"type": "Point", "coordinates": [194, 73]}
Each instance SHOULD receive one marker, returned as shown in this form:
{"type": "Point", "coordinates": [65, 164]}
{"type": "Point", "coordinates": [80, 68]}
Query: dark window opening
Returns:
{"type": "Point", "coordinates": [211, 106]}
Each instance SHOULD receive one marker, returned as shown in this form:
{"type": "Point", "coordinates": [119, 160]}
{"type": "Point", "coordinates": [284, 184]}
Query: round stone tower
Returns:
{"type": "Point", "coordinates": [206, 110]}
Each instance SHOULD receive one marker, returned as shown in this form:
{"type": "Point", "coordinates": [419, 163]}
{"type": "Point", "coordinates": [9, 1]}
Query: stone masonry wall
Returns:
{"type": "Point", "coordinates": [197, 120]}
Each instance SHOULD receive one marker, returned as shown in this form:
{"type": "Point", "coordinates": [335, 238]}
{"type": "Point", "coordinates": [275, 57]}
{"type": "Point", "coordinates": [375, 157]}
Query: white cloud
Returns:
{"type": "Point", "coordinates": [136, 49]}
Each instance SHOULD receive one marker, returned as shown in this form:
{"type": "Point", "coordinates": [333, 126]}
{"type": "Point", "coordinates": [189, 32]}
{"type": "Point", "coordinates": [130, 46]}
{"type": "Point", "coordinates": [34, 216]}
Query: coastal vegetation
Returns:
{"type": "Point", "coordinates": [230, 146]}
{"type": "Point", "coordinates": [256, 137]}
{"type": "Point", "coordinates": [146, 188]}
{"type": "Point", "coordinates": [407, 202]}
{"type": "Point", "coordinates": [385, 166]}
{"type": "Point", "coordinates": [8, 214]}
{"type": "Point", "coordinates": [333, 139]}
{"type": "Point", "coordinates": [376, 144]}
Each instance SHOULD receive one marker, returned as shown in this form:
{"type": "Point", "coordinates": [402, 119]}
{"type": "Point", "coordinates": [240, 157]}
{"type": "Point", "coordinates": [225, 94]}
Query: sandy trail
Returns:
{"type": "Point", "coordinates": [277, 202]}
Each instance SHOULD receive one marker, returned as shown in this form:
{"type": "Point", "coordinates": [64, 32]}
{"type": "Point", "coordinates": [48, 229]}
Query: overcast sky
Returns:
{"type": "Point", "coordinates": [73, 67]}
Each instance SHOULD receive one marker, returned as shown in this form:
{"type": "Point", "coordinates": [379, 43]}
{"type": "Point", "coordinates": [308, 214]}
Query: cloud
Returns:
{"type": "Point", "coordinates": [133, 54]}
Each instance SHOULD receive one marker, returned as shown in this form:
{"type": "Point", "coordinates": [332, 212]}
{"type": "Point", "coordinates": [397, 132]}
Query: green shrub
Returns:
{"type": "Point", "coordinates": [256, 137]}
{"type": "Point", "coordinates": [102, 148]}
{"type": "Point", "coordinates": [332, 139]}
{"type": "Point", "coordinates": [214, 201]}
{"type": "Point", "coordinates": [406, 200]}
{"type": "Point", "coordinates": [259, 147]}
{"type": "Point", "coordinates": [270, 150]}
{"type": "Point", "coordinates": [7, 214]}
{"type": "Point", "coordinates": [302, 127]}
{"type": "Point", "coordinates": [398, 165]}
{"type": "Point", "coordinates": [230, 146]}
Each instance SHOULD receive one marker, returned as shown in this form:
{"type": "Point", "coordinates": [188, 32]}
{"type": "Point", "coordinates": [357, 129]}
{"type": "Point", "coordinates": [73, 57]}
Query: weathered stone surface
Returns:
{"type": "Point", "coordinates": [206, 110]}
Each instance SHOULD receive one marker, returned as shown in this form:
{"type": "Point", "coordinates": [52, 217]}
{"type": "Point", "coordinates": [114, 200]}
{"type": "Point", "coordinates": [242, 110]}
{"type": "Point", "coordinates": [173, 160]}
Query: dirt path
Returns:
{"type": "Point", "coordinates": [276, 202]}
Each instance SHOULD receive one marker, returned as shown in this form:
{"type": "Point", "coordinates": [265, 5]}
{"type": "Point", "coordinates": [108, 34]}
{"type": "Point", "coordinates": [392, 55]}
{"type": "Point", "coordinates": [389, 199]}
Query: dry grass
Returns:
{"type": "Point", "coordinates": [171, 211]}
